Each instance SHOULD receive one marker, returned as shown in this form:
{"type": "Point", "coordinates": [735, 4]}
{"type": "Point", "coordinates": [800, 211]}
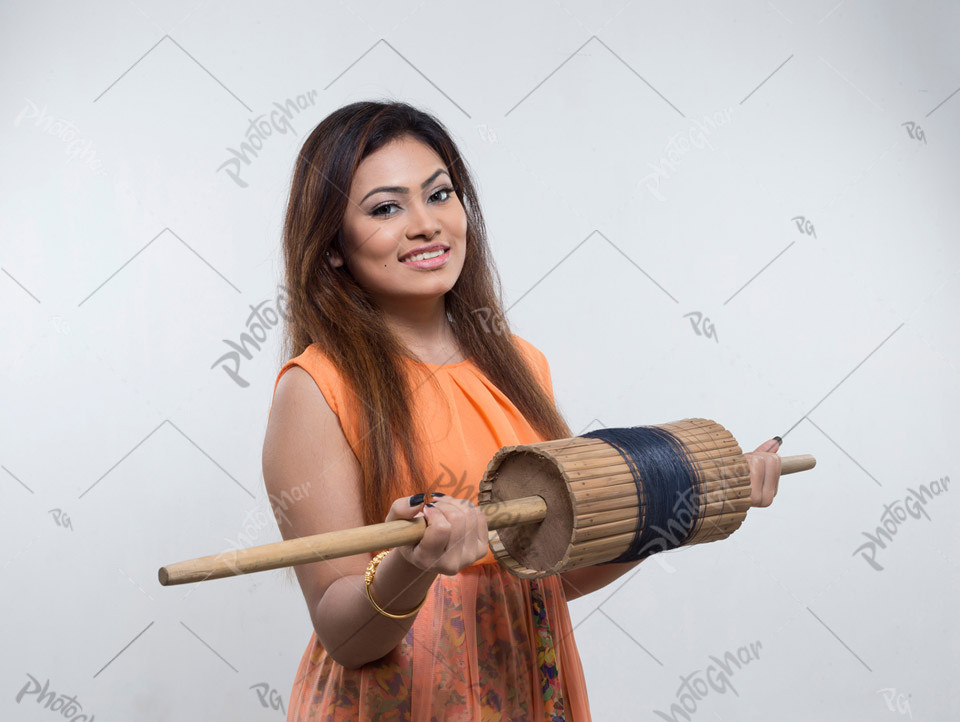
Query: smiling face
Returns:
{"type": "Point", "coordinates": [404, 229]}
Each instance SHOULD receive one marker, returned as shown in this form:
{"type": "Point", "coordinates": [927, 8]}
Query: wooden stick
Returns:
{"type": "Point", "coordinates": [335, 544]}
{"type": "Point", "coordinates": [499, 515]}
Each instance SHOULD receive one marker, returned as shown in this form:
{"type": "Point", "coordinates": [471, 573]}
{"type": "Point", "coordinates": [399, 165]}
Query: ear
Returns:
{"type": "Point", "coordinates": [334, 259]}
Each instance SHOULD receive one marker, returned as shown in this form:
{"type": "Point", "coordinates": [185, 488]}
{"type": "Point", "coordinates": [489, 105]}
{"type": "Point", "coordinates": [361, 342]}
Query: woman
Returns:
{"type": "Point", "coordinates": [398, 393]}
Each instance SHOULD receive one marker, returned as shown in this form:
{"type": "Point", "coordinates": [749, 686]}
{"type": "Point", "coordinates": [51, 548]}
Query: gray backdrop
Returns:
{"type": "Point", "coordinates": [745, 213]}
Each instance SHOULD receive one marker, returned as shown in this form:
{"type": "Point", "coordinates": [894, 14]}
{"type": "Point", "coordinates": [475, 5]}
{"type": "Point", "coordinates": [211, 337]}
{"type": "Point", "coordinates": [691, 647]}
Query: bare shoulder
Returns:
{"type": "Point", "coordinates": [304, 441]}
{"type": "Point", "coordinates": [312, 476]}
{"type": "Point", "coordinates": [297, 399]}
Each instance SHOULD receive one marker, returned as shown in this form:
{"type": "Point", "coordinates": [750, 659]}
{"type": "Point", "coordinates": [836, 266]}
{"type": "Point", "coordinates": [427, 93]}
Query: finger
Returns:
{"type": "Point", "coordinates": [436, 537]}
{"type": "Point", "coordinates": [459, 524]}
{"type": "Point", "coordinates": [470, 534]}
{"type": "Point", "coordinates": [406, 507]}
{"type": "Point", "coordinates": [475, 541]}
{"type": "Point", "coordinates": [475, 532]}
{"type": "Point", "coordinates": [483, 535]}
{"type": "Point", "coordinates": [756, 478]}
{"type": "Point", "coordinates": [463, 545]}
{"type": "Point", "coordinates": [770, 445]}
{"type": "Point", "coordinates": [771, 478]}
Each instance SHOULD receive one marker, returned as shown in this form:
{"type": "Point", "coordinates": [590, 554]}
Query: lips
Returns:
{"type": "Point", "coordinates": [431, 262]}
{"type": "Point", "coordinates": [424, 249]}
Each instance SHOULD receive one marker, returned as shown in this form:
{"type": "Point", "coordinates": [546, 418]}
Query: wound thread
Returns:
{"type": "Point", "coordinates": [666, 482]}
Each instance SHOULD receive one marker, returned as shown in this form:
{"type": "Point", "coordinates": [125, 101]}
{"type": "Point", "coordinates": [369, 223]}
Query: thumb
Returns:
{"type": "Point", "coordinates": [770, 445]}
{"type": "Point", "coordinates": [406, 507]}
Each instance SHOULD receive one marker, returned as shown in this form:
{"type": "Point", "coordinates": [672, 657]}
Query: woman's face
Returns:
{"type": "Point", "coordinates": [404, 230]}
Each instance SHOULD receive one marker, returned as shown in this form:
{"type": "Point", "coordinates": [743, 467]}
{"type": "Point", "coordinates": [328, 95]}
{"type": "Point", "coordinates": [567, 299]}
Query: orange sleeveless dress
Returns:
{"type": "Point", "coordinates": [486, 645]}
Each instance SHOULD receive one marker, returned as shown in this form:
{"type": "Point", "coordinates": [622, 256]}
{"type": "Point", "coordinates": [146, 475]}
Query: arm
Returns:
{"type": "Point", "coordinates": [304, 442]}
{"type": "Point", "coordinates": [578, 582]}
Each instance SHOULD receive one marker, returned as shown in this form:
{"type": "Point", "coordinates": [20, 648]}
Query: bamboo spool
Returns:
{"type": "Point", "coordinates": [550, 506]}
{"type": "Point", "coordinates": [593, 501]}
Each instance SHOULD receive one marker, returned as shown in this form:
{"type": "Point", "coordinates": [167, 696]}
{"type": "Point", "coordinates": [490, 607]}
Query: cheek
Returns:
{"type": "Point", "coordinates": [372, 262]}
{"type": "Point", "coordinates": [375, 249]}
{"type": "Point", "coordinates": [461, 222]}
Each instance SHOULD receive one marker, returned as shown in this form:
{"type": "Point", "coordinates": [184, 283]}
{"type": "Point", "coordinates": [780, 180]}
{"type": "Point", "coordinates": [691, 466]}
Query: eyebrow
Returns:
{"type": "Point", "coordinates": [403, 189]}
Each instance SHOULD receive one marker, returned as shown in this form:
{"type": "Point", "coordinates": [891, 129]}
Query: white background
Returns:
{"type": "Point", "coordinates": [637, 163]}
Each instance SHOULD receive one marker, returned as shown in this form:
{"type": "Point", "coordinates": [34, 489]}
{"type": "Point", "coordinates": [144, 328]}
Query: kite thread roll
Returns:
{"type": "Point", "coordinates": [619, 494]}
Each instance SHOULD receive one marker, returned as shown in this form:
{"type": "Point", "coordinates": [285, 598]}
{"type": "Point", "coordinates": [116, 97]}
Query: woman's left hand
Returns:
{"type": "Point", "coordinates": [764, 465]}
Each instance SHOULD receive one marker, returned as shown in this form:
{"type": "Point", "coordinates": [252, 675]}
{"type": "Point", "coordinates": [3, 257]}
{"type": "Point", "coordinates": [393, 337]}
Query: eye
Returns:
{"type": "Point", "coordinates": [379, 210]}
{"type": "Point", "coordinates": [446, 189]}
{"type": "Point", "coordinates": [376, 211]}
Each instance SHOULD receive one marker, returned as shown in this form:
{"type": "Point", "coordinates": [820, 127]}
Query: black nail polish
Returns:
{"type": "Point", "coordinates": [779, 440]}
{"type": "Point", "coordinates": [436, 493]}
{"type": "Point", "coordinates": [430, 504]}
{"type": "Point", "coordinates": [416, 499]}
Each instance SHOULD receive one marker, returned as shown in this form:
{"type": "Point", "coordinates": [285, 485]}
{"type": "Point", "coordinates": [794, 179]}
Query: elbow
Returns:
{"type": "Point", "coordinates": [337, 649]}
{"type": "Point", "coordinates": [343, 650]}
{"type": "Point", "coordinates": [346, 640]}
{"type": "Point", "coordinates": [570, 590]}
{"type": "Point", "coordinates": [346, 661]}
{"type": "Point", "coordinates": [336, 646]}
{"type": "Point", "coordinates": [347, 658]}
{"type": "Point", "coordinates": [573, 584]}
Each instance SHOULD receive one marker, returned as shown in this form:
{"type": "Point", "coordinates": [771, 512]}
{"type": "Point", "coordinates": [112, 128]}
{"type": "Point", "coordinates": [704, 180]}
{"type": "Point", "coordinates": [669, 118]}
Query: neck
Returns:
{"type": "Point", "coordinates": [424, 329]}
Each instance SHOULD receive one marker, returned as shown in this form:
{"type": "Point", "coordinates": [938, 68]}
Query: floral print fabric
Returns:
{"type": "Point", "coordinates": [481, 648]}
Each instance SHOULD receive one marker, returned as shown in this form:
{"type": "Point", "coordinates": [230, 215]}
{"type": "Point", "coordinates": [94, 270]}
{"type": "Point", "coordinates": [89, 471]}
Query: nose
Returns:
{"type": "Point", "coordinates": [422, 221]}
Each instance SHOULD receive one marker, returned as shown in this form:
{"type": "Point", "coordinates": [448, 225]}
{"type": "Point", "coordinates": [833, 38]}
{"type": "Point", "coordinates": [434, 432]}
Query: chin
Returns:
{"type": "Point", "coordinates": [433, 290]}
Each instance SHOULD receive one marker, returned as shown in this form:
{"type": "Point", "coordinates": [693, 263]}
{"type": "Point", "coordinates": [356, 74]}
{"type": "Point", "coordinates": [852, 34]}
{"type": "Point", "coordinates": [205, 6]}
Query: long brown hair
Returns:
{"type": "Point", "coordinates": [328, 307]}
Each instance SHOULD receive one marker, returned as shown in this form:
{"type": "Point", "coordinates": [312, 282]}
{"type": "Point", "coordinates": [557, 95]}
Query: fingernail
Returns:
{"type": "Point", "coordinates": [436, 493]}
{"type": "Point", "coordinates": [430, 503]}
{"type": "Point", "coordinates": [779, 440]}
{"type": "Point", "coordinates": [416, 499]}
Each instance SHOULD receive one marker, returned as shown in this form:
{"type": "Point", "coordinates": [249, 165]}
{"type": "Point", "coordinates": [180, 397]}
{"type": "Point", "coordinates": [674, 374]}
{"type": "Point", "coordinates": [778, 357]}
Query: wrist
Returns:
{"type": "Point", "coordinates": [399, 585]}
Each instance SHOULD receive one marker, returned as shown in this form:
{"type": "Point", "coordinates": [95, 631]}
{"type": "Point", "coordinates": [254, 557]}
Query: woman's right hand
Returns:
{"type": "Point", "coordinates": [455, 537]}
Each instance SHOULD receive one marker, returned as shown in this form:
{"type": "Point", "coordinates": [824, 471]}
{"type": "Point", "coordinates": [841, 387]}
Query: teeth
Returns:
{"type": "Point", "coordinates": [422, 256]}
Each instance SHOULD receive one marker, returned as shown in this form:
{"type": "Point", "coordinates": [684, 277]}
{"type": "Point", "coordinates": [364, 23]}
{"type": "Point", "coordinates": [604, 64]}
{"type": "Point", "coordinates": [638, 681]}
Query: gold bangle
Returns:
{"type": "Point", "coordinates": [368, 582]}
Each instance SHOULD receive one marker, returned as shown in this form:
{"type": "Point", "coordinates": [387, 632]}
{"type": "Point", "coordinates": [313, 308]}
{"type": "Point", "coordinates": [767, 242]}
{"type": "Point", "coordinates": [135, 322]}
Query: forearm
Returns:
{"type": "Point", "coordinates": [351, 630]}
{"type": "Point", "coordinates": [579, 582]}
